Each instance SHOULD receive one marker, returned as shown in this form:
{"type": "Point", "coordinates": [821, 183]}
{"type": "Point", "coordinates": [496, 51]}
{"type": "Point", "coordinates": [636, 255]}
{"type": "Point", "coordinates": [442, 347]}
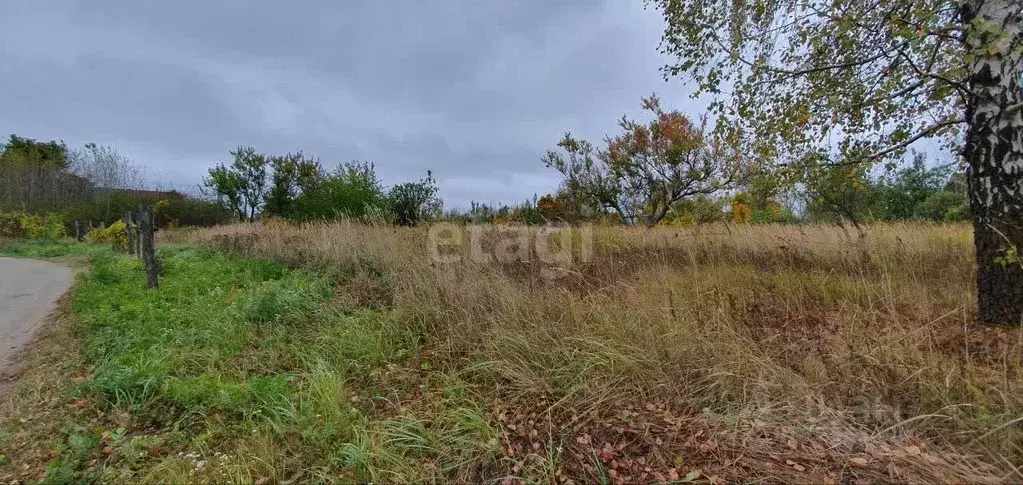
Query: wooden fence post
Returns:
{"type": "Point", "coordinates": [138, 235]}
{"type": "Point", "coordinates": [129, 236]}
{"type": "Point", "coordinates": [146, 230]}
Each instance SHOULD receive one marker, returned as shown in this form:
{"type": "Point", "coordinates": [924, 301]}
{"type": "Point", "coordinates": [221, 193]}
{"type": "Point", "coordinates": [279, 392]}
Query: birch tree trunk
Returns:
{"type": "Point", "coordinates": [994, 153]}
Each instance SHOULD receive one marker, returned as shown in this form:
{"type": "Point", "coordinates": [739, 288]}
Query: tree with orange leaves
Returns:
{"type": "Point", "coordinates": [642, 171]}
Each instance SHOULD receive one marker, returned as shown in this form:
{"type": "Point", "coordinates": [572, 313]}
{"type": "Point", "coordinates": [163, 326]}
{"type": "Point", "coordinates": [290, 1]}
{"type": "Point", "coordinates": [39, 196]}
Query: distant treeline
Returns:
{"type": "Point", "coordinates": [296, 187]}
{"type": "Point", "coordinates": [665, 172]}
{"type": "Point", "coordinates": [94, 184]}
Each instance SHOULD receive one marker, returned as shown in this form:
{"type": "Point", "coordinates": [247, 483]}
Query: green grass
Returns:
{"type": "Point", "coordinates": [65, 248]}
{"type": "Point", "coordinates": [242, 369]}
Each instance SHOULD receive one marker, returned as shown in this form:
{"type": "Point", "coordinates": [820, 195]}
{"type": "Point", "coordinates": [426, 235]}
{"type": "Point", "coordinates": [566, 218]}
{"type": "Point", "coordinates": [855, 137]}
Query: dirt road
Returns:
{"type": "Point", "coordinates": [29, 291]}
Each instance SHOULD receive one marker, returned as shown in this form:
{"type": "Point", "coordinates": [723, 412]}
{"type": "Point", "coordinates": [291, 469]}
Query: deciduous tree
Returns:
{"type": "Point", "coordinates": [34, 176]}
{"type": "Point", "coordinates": [26, 151]}
{"type": "Point", "coordinates": [642, 171]}
{"type": "Point", "coordinates": [292, 175]}
{"type": "Point", "coordinates": [242, 186]}
{"type": "Point", "coordinates": [867, 80]}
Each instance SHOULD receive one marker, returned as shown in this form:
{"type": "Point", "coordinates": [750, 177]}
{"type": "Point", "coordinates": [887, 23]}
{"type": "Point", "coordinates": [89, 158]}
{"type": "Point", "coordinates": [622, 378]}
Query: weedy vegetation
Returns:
{"type": "Point", "coordinates": [341, 352]}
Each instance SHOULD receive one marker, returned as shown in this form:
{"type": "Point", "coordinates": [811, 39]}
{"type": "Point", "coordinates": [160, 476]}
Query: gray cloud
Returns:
{"type": "Point", "coordinates": [475, 91]}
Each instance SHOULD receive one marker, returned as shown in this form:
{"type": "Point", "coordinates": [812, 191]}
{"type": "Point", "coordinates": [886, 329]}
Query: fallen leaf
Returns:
{"type": "Point", "coordinates": [914, 442]}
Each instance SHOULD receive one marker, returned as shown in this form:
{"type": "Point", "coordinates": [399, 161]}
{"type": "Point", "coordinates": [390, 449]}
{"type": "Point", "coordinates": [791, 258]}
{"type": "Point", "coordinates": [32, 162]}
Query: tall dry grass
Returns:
{"type": "Point", "coordinates": [861, 343]}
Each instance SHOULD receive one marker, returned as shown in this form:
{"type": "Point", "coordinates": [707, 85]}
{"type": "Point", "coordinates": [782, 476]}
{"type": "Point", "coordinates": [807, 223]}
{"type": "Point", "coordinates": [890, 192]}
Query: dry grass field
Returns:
{"type": "Point", "coordinates": [714, 353]}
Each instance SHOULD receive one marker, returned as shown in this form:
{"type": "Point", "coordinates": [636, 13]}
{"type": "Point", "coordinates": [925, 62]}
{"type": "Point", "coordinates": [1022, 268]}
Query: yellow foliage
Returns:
{"type": "Point", "coordinates": [162, 214]}
{"type": "Point", "coordinates": [31, 226]}
{"type": "Point", "coordinates": [161, 206]}
{"type": "Point", "coordinates": [684, 220]}
{"type": "Point", "coordinates": [113, 235]}
{"type": "Point", "coordinates": [740, 213]}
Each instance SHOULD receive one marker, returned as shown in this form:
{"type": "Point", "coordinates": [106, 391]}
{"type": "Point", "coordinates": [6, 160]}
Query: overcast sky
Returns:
{"type": "Point", "coordinates": [474, 90]}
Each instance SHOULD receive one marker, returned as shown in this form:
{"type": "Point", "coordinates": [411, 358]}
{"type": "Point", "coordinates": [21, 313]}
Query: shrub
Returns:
{"type": "Point", "coordinates": [944, 206]}
{"type": "Point", "coordinates": [771, 212]}
{"type": "Point", "coordinates": [351, 191]}
{"type": "Point", "coordinates": [113, 235]}
{"type": "Point", "coordinates": [740, 213]}
{"type": "Point", "coordinates": [697, 210]}
{"type": "Point", "coordinates": [414, 202]}
{"type": "Point", "coordinates": [192, 212]}
{"type": "Point", "coordinates": [171, 209]}
{"type": "Point", "coordinates": [31, 226]}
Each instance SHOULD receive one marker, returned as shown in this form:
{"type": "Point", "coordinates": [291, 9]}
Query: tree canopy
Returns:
{"type": "Point", "coordinates": [241, 186]}
{"type": "Point", "coordinates": [851, 81]}
{"type": "Point", "coordinates": [31, 153]}
{"type": "Point", "coordinates": [642, 171]}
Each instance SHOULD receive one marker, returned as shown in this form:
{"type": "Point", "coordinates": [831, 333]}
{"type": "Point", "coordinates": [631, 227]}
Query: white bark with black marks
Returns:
{"type": "Point", "coordinates": [994, 153]}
